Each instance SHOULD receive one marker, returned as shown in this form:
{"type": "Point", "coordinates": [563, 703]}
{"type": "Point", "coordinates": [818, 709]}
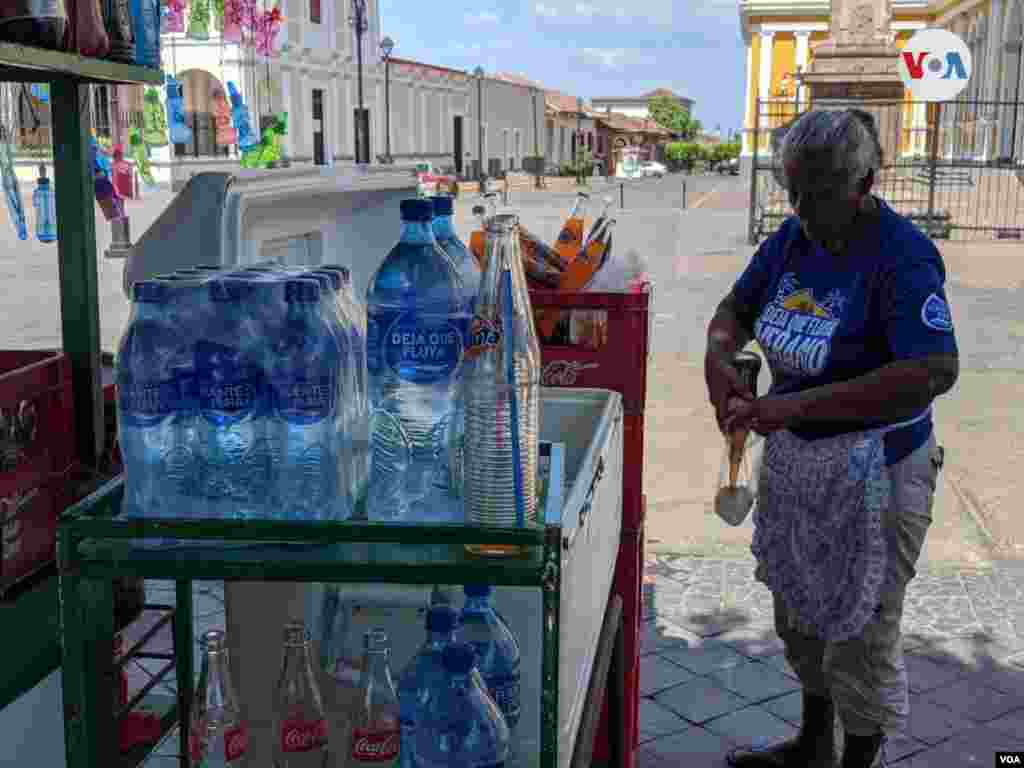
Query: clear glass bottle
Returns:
{"type": "Point", "coordinates": [374, 734]}
{"type": "Point", "coordinates": [501, 388]}
{"type": "Point", "coordinates": [218, 735]}
{"type": "Point", "coordinates": [462, 727]}
{"type": "Point", "coordinates": [300, 726]}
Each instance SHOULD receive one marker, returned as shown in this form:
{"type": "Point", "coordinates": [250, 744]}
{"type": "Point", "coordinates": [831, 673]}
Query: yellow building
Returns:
{"type": "Point", "coordinates": [780, 36]}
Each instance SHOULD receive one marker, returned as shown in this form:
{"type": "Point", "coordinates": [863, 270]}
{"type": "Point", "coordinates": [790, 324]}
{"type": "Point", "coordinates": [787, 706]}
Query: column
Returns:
{"type": "Point", "coordinates": [802, 57]}
{"type": "Point", "coordinates": [350, 121]}
{"type": "Point", "coordinates": [285, 106]}
{"type": "Point", "coordinates": [424, 121]}
{"type": "Point", "coordinates": [337, 107]}
{"type": "Point", "coordinates": [442, 120]}
{"type": "Point", "coordinates": [748, 109]}
{"type": "Point", "coordinates": [380, 141]}
{"type": "Point", "coordinates": [991, 62]}
{"type": "Point", "coordinates": [764, 72]}
{"type": "Point", "coordinates": [411, 143]}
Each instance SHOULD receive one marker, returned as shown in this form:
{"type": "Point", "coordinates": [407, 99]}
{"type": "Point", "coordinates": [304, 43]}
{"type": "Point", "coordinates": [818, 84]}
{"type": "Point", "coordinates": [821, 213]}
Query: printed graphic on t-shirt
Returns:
{"type": "Point", "coordinates": [935, 314]}
{"type": "Point", "coordinates": [795, 329]}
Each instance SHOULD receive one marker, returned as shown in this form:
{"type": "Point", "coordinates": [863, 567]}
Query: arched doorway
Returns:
{"type": "Point", "coordinates": [199, 88]}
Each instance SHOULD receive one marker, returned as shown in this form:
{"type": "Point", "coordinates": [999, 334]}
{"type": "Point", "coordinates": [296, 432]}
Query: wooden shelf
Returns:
{"type": "Point", "coordinates": [22, 63]}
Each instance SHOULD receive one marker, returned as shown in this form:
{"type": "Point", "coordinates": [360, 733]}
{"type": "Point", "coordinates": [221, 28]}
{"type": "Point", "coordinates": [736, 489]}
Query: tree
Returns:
{"type": "Point", "coordinates": [667, 112]}
{"type": "Point", "coordinates": [684, 154]}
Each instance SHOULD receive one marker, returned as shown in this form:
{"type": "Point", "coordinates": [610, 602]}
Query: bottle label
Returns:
{"type": "Point", "coordinates": [484, 336]}
{"type": "Point", "coordinates": [228, 391]}
{"type": "Point", "coordinates": [236, 742]}
{"type": "Point", "coordinates": [505, 691]}
{"type": "Point", "coordinates": [377, 747]}
{"type": "Point", "coordinates": [419, 348]}
{"type": "Point", "coordinates": [300, 735]}
{"type": "Point", "coordinates": [144, 403]}
{"type": "Point", "coordinates": [304, 401]}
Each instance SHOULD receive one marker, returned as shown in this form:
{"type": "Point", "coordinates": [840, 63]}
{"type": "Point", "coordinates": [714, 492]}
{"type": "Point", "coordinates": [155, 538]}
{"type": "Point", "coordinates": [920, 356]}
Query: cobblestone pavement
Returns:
{"type": "Point", "coordinates": [713, 676]}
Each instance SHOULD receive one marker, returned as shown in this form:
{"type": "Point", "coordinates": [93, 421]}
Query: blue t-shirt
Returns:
{"type": "Point", "coordinates": [823, 318]}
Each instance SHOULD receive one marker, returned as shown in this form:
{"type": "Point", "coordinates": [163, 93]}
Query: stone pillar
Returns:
{"type": "Point", "coordinates": [803, 54]}
{"type": "Point", "coordinates": [748, 108]}
{"type": "Point", "coordinates": [412, 119]}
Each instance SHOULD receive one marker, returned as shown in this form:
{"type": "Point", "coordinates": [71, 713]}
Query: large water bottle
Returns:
{"type": "Point", "coordinates": [233, 405]}
{"type": "Point", "coordinates": [462, 259]}
{"type": "Point", "coordinates": [461, 727]}
{"type": "Point", "coordinates": [496, 647]}
{"type": "Point", "coordinates": [149, 361]}
{"type": "Point", "coordinates": [423, 676]}
{"type": "Point", "coordinates": [501, 391]}
{"type": "Point", "coordinates": [414, 352]}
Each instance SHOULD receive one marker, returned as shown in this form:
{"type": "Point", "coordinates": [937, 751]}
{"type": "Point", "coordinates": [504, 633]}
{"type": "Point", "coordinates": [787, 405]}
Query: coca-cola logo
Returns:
{"type": "Point", "coordinates": [236, 742]}
{"type": "Point", "coordinates": [563, 373]}
{"type": "Point", "coordinates": [303, 736]}
{"type": "Point", "coordinates": [375, 746]}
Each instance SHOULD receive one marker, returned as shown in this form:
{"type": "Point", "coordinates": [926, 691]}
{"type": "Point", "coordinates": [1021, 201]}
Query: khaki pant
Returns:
{"type": "Point", "coordinates": [866, 676]}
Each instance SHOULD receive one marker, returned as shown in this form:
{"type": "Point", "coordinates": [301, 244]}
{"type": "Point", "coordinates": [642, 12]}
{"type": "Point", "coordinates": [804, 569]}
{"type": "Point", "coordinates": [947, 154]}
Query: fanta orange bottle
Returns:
{"type": "Point", "coordinates": [478, 237]}
{"type": "Point", "coordinates": [570, 239]}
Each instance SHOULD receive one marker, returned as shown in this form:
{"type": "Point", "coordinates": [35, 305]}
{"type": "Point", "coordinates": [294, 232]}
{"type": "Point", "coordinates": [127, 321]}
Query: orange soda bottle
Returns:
{"type": "Point", "coordinates": [570, 239]}
{"type": "Point", "coordinates": [478, 237]}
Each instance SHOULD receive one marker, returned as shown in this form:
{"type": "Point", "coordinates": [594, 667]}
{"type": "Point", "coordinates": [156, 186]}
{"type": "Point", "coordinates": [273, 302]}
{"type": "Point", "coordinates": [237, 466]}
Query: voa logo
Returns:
{"type": "Point", "coordinates": [1009, 758]}
{"type": "Point", "coordinates": [935, 65]}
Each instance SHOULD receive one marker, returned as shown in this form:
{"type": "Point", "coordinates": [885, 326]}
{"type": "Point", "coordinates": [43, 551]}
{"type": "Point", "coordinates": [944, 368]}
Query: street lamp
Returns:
{"type": "Point", "coordinates": [479, 72]}
{"type": "Point", "coordinates": [579, 139]}
{"type": "Point", "coordinates": [387, 45]}
{"type": "Point", "coordinates": [359, 25]}
{"type": "Point", "coordinates": [536, 144]}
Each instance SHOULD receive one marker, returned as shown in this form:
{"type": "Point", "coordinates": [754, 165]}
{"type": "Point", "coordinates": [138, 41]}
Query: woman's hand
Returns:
{"type": "Point", "coordinates": [766, 414]}
{"type": "Point", "coordinates": [724, 384]}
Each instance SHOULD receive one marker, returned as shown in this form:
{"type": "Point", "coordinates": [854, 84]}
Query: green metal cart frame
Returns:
{"type": "Point", "coordinates": [94, 548]}
{"type": "Point", "coordinates": [30, 656]}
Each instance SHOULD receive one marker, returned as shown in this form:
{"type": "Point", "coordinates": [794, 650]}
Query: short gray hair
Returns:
{"type": "Point", "coordinates": [844, 142]}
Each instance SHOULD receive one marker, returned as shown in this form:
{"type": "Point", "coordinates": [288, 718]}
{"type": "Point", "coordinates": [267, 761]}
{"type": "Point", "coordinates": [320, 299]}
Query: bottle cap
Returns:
{"type": "Point", "coordinates": [376, 641]}
{"type": "Point", "coordinates": [459, 658]}
{"type": "Point", "coordinates": [149, 291]}
{"type": "Point", "coordinates": [478, 590]}
{"type": "Point", "coordinates": [302, 291]}
{"type": "Point", "coordinates": [42, 173]}
{"type": "Point", "coordinates": [227, 289]}
{"type": "Point", "coordinates": [416, 209]}
{"type": "Point", "coordinates": [214, 640]}
{"type": "Point", "coordinates": [443, 205]}
{"type": "Point", "coordinates": [749, 366]}
{"type": "Point", "coordinates": [346, 274]}
{"type": "Point", "coordinates": [333, 277]}
{"type": "Point", "coordinates": [441, 618]}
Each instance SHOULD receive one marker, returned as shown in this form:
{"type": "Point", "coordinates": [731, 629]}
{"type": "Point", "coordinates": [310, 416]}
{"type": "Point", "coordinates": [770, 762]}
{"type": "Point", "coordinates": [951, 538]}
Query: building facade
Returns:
{"type": "Point", "coordinates": [637, 106]}
{"type": "Point", "coordinates": [511, 131]}
{"type": "Point", "coordinates": [780, 37]}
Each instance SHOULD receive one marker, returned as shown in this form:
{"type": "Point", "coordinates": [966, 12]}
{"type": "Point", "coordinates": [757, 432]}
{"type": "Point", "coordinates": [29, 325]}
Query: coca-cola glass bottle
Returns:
{"type": "Point", "coordinates": [218, 736]}
{"type": "Point", "coordinates": [374, 733]}
{"type": "Point", "coordinates": [300, 727]}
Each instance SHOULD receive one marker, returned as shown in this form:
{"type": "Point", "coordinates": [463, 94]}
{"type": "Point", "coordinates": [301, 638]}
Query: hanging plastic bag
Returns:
{"type": "Point", "coordinates": [140, 157]}
{"type": "Point", "coordinates": [737, 479]}
{"type": "Point", "coordinates": [154, 119]}
{"type": "Point", "coordinates": [231, 31]}
{"type": "Point", "coordinates": [179, 131]}
{"type": "Point", "coordinates": [198, 20]}
{"type": "Point", "coordinates": [267, 33]}
{"type": "Point", "coordinates": [247, 138]}
{"type": "Point", "coordinates": [173, 17]}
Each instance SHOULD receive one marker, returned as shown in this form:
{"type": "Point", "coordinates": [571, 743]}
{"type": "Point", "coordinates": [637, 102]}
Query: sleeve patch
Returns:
{"type": "Point", "coordinates": [935, 314]}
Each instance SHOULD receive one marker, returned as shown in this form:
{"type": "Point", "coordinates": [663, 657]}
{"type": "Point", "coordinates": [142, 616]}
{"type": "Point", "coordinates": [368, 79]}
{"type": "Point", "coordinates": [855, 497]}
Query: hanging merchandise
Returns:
{"type": "Point", "coordinates": [235, 11]}
{"type": "Point", "coordinates": [140, 157]}
{"type": "Point", "coordinates": [12, 192]}
{"type": "Point", "coordinates": [226, 135]}
{"type": "Point", "coordinates": [267, 32]}
{"type": "Point", "coordinates": [154, 120]}
{"type": "Point", "coordinates": [179, 130]}
{"type": "Point", "coordinates": [146, 19]}
{"type": "Point", "coordinates": [123, 175]}
{"type": "Point", "coordinates": [86, 34]}
{"type": "Point", "coordinates": [240, 115]}
{"type": "Point", "coordinates": [268, 152]}
{"type": "Point", "coordinates": [118, 19]}
{"type": "Point", "coordinates": [40, 92]}
{"type": "Point", "coordinates": [45, 203]}
{"type": "Point", "coordinates": [101, 160]}
{"type": "Point", "coordinates": [40, 23]}
{"type": "Point", "coordinates": [199, 20]}
{"type": "Point", "coordinates": [107, 198]}
{"type": "Point", "coordinates": [217, 14]}
{"type": "Point", "coordinates": [174, 16]}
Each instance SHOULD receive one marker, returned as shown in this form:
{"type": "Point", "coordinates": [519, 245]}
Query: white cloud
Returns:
{"type": "Point", "coordinates": [586, 9]}
{"type": "Point", "coordinates": [483, 17]}
{"type": "Point", "coordinates": [605, 58]}
{"type": "Point", "coordinates": [547, 11]}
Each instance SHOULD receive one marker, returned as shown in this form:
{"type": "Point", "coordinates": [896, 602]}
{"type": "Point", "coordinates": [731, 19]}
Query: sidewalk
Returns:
{"type": "Point", "coordinates": [713, 676]}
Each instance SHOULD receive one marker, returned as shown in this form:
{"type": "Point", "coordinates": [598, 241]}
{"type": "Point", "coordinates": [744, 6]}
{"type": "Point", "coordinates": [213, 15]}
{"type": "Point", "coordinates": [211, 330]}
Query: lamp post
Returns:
{"type": "Point", "coordinates": [579, 140]}
{"type": "Point", "coordinates": [536, 144]}
{"type": "Point", "coordinates": [387, 45]}
{"type": "Point", "coordinates": [479, 72]}
{"type": "Point", "coordinates": [359, 25]}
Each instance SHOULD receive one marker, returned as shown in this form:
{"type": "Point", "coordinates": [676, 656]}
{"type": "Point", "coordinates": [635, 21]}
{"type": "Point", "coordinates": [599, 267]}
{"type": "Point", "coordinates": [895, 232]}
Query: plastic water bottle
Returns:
{"type": "Point", "coordinates": [414, 352]}
{"type": "Point", "coordinates": [462, 259]}
{"type": "Point", "coordinates": [45, 203]}
{"type": "Point", "coordinates": [150, 357]}
{"type": "Point", "coordinates": [497, 649]}
{"type": "Point", "coordinates": [233, 405]}
{"type": "Point", "coordinates": [462, 727]}
{"type": "Point", "coordinates": [423, 676]}
{"type": "Point", "coordinates": [305, 392]}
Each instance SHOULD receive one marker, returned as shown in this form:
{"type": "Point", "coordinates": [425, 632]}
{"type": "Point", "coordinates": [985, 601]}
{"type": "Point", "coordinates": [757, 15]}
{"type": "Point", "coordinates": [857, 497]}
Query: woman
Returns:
{"type": "Point", "coordinates": [847, 303]}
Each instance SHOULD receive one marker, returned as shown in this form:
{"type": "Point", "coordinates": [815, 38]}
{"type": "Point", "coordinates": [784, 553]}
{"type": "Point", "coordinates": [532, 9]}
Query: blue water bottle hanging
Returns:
{"type": "Point", "coordinates": [45, 203]}
{"type": "Point", "coordinates": [180, 132]}
{"type": "Point", "coordinates": [240, 116]}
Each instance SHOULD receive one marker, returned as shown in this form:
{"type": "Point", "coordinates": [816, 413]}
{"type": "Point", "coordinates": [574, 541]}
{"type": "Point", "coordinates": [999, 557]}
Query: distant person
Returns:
{"type": "Point", "coordinates": [847, 303]}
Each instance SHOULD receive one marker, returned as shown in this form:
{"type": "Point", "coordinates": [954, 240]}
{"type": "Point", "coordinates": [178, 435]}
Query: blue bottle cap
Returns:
{"type": "Point", "coordinates": [478, 590]}
{"type": "Point", "coordinates": [459, 658]}
{"type": "Point", "coordinates": [227, 289]}
{"type": "Point", "coordinates": [443, 205]}
{"type": "Point", "coordinates": [441, 618]}
{"type": "Point", "coordinates": [334, 277]}
{"type": "Point", "coordinates": [302, 291]}
{"type": "Point", "coordinates": [149, 291]}
{"type": "Point", "coordinates": [417, 209]}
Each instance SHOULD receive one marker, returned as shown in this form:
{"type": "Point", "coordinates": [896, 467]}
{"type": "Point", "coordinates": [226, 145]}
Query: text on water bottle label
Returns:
{"type": "Point", "coordinates": [143, 403]}
{"type": "Point", "coordinates": [305, 401]}
{"type": "Point", "coordinates": [419, 348]}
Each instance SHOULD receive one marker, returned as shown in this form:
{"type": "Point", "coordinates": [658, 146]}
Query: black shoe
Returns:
{"type": "Point", "coordinates": [814, 747]}
{"type": "Point", "coordinates": [861, 751]}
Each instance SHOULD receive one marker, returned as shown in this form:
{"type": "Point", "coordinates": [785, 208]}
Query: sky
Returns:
{"type": "Point", "coordinates": [587, 48]}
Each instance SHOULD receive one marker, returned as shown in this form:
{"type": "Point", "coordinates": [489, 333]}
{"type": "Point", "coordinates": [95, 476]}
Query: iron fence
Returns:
{"type": "Point", "coordinates": [955, 168]}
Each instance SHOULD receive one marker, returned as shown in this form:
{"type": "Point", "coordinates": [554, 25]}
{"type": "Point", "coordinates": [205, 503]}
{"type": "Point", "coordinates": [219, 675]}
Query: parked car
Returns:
{"type": "Point", "coordinates": [651, 168]}
{"type": "Point", "coordinates": [730, 166]}
{"type": "Point", "coordinates": [431, 180]}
